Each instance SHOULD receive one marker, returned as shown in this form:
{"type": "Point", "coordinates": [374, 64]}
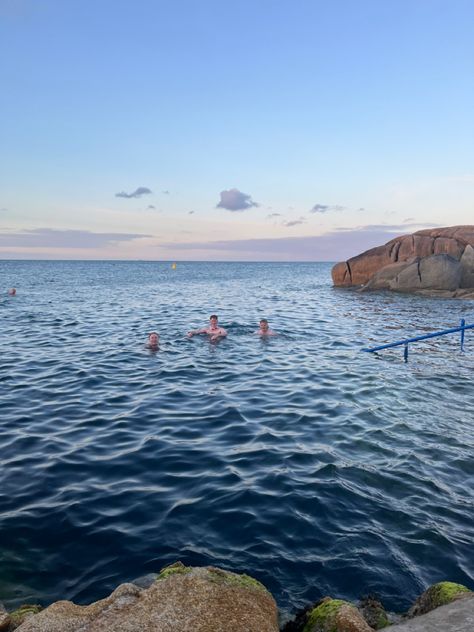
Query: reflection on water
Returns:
{"type": "Point", "coordinates": [314, 467]}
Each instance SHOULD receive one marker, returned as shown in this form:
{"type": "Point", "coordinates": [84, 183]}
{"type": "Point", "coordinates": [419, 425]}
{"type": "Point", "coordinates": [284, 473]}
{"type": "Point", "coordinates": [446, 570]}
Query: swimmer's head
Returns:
{"type": "Point", "coordinates": [153, 339]}
{"type": "Point", "coordinates": [264, 324]}
{"type": "Point", "coordinates": [213, 320]}
{"type": "Point", "coordinates": [12, 291]}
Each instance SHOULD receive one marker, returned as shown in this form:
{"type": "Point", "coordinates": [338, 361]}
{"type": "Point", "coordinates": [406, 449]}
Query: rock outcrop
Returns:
{"type": "Point", "coordinates": [435, 260]}
{"type": "Point", "coordinates": [182, 598]}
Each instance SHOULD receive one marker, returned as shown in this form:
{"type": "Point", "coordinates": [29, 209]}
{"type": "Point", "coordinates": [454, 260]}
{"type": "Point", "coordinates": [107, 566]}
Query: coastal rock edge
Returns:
{"type": "Point", "coordinates": [438, 261]}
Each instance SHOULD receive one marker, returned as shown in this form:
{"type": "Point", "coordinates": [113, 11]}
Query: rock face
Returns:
{"type": "Point", "coordinates": [181, 599]}
{"type": "Point", "coordinates": [440, 259]}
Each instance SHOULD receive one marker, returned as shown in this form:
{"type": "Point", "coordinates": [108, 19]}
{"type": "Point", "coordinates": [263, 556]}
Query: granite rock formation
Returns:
{"type": "Point", "coordinates": [182, 598]}
{"type": "Point", "coordinates": [439, 260]}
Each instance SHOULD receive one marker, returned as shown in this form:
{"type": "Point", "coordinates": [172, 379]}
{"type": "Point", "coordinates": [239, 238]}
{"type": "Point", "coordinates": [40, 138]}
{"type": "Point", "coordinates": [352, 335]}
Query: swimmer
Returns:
{"type": "Point", "coordinates": [265, 329]}
{"type": "Point", "coordinates": [214, 331]}
{"type": "Point", "coordinates": [12, 291]}
{"type": "Point", "coordinates": [153, 340]}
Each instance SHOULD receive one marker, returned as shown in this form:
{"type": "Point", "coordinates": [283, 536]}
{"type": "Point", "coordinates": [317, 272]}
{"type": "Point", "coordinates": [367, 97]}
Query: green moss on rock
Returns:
{"type": "Point", "coordinates": [437, 595]}
{"type": "Point", "coordinates": [18, 616]}
{"type": "Point", "coordinates": [323, 616]}
{"type": "Point", "coordinates": [373, 612]}
{"type": "Point", "coordinates": [234, 579]}
{"type": "Point", "coordinates": [178, 568]}
{"type": "Point", "coordinates": [445, 592]}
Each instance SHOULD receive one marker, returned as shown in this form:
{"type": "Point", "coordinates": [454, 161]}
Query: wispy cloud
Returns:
{"type": "Point", "coordinates": [51, 238]}
{"type": "Point", "coordinates": [336, 245]}
{"type": "Point", "coordinates": [235, 200]}
{"type": "Point", "coordinates": [150, 207]}
{"type": "Point", "coordinates": [135, 194]}
{"type": "Point", "coordinates": [191, 212]}
{"type": "Point", "coordinates": [294, 222]}
{"type": "Point", "coordinates": [3, 209]}
{"type": "Point", "coordinates": [326, 208]}
{"type": "Point", "coordinates": [166, 192]}
{"type": "Point", "coordinates": [271, 215]}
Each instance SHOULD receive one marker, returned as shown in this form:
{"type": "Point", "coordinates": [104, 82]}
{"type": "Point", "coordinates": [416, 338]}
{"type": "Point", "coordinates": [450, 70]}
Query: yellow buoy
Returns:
{"type": "Point", "coordinates": [173, 266]}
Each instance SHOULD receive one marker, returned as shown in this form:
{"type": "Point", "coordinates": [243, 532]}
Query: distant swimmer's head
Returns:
{"type": "Point", "coordinates": [12, 291]}
{"type": "Point", "coordinates": [213, 320]}
{"type": "Point", "coordinates": [153, 339]}
{"type": "Point", "coordinates": [264, 324]}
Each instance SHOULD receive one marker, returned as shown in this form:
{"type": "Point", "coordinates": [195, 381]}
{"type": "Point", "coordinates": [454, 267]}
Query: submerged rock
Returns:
{"type": "Point", "coordinates": [182, 598]}
{"type": "Point", "coordinates": [438, 595]}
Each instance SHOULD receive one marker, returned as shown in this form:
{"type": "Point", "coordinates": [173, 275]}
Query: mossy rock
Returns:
{"type": "Point", "coordinates": [18, 616]}
{"type": "Point", "coordinates": [333, 615]}
{"type": "Point", "coordinates": [234, 579]}
{"type": "Point", "coordinates": [215, 575]}
{"type": "Point", "coordinates": [178, 568]}
{"type": "Point", "coordinates": [374, 613]}
{"type": "Point", "coordinates": [437, 595]}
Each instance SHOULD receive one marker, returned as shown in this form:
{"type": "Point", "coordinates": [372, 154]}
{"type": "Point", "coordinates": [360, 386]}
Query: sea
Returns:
{"type": "Point", "coordinates": [299, 459]}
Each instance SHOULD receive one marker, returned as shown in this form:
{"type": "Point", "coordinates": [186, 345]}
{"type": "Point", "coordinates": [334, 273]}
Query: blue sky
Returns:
{"type": "Point", "coordinates": [253, 130]}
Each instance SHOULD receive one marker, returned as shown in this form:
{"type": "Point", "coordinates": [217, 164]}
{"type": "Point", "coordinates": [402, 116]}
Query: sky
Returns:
{"type": "Point", "coordinates": [254, 130]}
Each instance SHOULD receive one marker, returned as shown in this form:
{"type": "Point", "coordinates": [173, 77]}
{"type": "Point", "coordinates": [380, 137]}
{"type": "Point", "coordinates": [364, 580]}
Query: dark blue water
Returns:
{"type": "Point", "coordinates": [313, 467]}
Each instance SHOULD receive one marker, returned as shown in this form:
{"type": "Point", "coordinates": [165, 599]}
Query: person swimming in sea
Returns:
{"type": "Point", "coordinates": [264, 329]}
{"type": "Point", "coordinates": [153, 340]}
{"type": "Point", "coordinates": [213, 330]}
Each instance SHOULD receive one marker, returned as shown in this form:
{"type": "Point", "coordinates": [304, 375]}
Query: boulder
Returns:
{"type": "Point", "coordinates": [441, 259]}
{"type": "Point", "coordinates": [335, 614]}
{"type": "Point", "coordinates": [437, 272]}
{"type": "Point", "coordinates": [467, 268]}
{"type": "Point", "coordinates": [182, 598]}
{"type": "Point", "coordinates": [438, 595]}
{"type": "Point", "coordinates": [382, 280]}
{"type": "Point", "coordinates": [374, 613]}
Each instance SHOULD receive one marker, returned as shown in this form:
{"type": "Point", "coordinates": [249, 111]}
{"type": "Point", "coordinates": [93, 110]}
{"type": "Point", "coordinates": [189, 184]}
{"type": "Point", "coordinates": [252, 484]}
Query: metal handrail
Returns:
{"type": "Point", "coordinates": [462, 328]}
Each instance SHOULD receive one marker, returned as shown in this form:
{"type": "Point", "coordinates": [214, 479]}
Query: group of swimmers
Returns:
{"type": "Point", "coordinates": [213, 331]}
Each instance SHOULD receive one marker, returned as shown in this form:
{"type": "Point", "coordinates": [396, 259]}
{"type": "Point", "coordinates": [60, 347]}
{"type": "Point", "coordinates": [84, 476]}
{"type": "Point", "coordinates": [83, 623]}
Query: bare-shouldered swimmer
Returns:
{"type": "Point", "coordinates": [213, 330]}
{"type": "Point", "coordinates": [264, 329]}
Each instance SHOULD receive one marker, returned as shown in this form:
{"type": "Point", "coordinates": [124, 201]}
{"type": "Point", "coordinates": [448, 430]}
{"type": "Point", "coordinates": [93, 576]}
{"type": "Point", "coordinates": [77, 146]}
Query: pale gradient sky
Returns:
{"type": "Point", "coordinates": [248, 130]}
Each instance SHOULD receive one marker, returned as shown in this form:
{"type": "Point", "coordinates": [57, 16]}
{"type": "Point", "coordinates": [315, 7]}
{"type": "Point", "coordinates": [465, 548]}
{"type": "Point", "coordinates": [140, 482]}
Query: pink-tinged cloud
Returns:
{"type": "Point", "coordinates": [235, 200]}
{"type": "Point", "coordinates": [51, 238]}
{"type": "Point", "coordinates": [337, 245]}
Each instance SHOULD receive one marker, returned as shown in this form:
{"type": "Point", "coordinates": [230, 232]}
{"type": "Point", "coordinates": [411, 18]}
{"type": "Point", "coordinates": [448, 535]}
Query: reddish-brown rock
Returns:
{"type": "Point", "coordinates": [424, 243]}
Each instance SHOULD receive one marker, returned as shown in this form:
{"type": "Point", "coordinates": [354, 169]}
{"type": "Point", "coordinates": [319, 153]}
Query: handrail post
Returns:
{"type": "Point", "coordinates": [463, 324]}
{"type": "Point", "coordinates": [405, 352]}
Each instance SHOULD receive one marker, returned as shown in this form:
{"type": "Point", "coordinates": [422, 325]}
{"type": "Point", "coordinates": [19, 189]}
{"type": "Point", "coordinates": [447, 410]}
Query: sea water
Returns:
{"type": "Point", "coordinates": [300, 460]}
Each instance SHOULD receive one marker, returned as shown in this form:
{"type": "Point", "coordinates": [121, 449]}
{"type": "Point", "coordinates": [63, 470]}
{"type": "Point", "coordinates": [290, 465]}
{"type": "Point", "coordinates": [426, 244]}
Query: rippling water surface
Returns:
{"type": "Point", "coordinates": [314, 467]}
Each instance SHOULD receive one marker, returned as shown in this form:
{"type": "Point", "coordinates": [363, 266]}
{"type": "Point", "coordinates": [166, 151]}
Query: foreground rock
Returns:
{"type": "Point", "coordinates": [335, 615]}
{"type": "Point", "coordinates": [182, 599]}
{"type": "Point", "coordinates": [207, 599]}
{"type": "Point", "coordinates": [440, 260]}
{"type": "Point", "coordinates": [454, 617]}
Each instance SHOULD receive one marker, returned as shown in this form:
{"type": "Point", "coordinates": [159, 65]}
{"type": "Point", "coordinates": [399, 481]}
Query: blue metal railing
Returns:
{"type": "Point", "coordinates": [462, 328]}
